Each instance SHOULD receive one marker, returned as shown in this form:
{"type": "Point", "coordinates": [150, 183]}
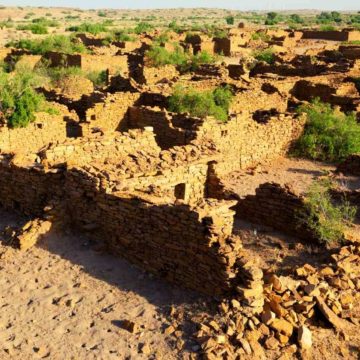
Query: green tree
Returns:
{"type": "Point", "coordinates": [230, 20]}
{"type": "Point", "coordinates": [328, 135]}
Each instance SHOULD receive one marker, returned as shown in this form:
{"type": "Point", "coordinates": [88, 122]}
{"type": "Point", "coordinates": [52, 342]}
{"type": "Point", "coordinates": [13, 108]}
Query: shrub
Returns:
{"type": "Point", "coordinates": [201, 104]}
{"type": "Point", "coordinates": [159, 56]}
{"type": "Point", "coordinates": [260, 35]}
{"type": "Point", "coordinates": [90, 28]}
{"type": "Point", "coordinates": [142, 27]}
{"type": "Point", "coordinates": [219, 33]}
{"type": "Point", "coordinates": [45, 22]}
{"type": "Point", "coordinates": [175, 27]}
{"type": "Point", "coordinates": [60, 43]}
{"type": "Point", "coordinates": [266, 55]}
{"type": "Point", "coordinates": [56, 74]}
{"type": "Point", "coordinates": [272, 18]}
{"type": "Point", "coordinates": [327, 28]}
{"type": "Point", "coordinates": [18, 99]}
{"type": "Point", "coordinates": [162, 38]}
{"type": "Point", "coordinates": [327, 18]}
{"type": "Point", "coordinates": [101, 13]}
{"type": "Point", "coordinates": [357, 83]}
{"type": "Point", "coordinates": [199, 59]}
{"type": "Point", "coordinates": [327, 220]}
{"type": "Point", "coordinates": [230, 20]}
{"type": "Point", "coordinates": [297, 19]}
{"type": "Point", "coordinates": [327, 136]}
{"type": "Point", "coordinates": [35, 28]}
{"type": "Point", "coordinates": [119, 35]}
{"type": "Point", "coordinates": [98, 78]}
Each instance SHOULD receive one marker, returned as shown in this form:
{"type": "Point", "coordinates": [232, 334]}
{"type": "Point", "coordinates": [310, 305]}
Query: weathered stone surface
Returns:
{"type": "Point", "coordinates": [304, 337]}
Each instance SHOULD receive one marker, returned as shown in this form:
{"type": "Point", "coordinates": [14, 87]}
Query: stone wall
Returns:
{"type": "Point", "coordinates": [277, 206]}
{"type": "Point", "coordinates": [343, 35]}
{"type": "Point", "coordinates": [117, 63]}
{"type": "Point", "coordinates": [167, 135]}
{"type": "Point", "coordinates": [44, 130]}
{"type": "Point", "coordinates": [28, 189]}
{"type": "Point", "coordinates": [82, 151]}
{"type": "Point", "coordinates": [153, 75]}
{"type": "Point", "coordinates": [111, 114]}
{"type": "Point", "coordinates": [350, 51]}
{"type": "Point", "coordinates": [191, 246]}
{"type": "Point", "coordinates": [243, 142]}
{"type": "Point", "coordinates": [65, 60]}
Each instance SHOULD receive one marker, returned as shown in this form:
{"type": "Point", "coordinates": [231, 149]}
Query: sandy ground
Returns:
{"type": "Point", "coordinates": [298, 173]}
{"type": "Point", "coordinates": [63, 300]}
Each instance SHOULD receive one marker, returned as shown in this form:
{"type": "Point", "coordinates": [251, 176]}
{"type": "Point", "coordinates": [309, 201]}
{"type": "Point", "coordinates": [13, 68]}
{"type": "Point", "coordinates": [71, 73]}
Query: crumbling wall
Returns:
{"type": "Point", "coordinates": [166, 134]}
{"type": "Point", "coordinates": [277, 206]}
{"type": "Point", "coordinates": [99, 148]}
{"type": "Point", "coordinates": [117, 63]}
{"type": "Point", "coordinates": [111, 114]}
{"type": "Point", "coordinates": [342, 35]}
{"type": "Point", "coordinates": [222, 46]}
{"type": "Point", "coordinates": [191, 246]}
{"type": "Point", "coordinates": [244, 142]}
{"type": "Point", "coordinates": [350, 51]}
{"type": "Point", "coordinates": [153, 75]}
{"type": "Point", "coordinates": [28, 189]}
{"type": "Point", "coordinates": [59, 59]}
{"type": "Point", "coordinates": [249, 101]}
{"type": "Point", "coordinates": [44, 130]}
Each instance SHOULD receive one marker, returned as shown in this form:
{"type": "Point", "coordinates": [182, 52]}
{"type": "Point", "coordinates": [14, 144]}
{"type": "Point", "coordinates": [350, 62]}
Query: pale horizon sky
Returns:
{"type": "Point", "coordinates": [224, 4]}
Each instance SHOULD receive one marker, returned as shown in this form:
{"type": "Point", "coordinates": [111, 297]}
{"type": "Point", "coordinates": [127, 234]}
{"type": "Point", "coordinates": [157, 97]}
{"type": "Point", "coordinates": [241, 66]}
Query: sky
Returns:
{"type": "Point", "coordinates": [225, 4]}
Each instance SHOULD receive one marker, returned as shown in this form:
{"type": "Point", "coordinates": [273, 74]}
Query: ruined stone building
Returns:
{"type": "Point", "coordinates": [118, 166]}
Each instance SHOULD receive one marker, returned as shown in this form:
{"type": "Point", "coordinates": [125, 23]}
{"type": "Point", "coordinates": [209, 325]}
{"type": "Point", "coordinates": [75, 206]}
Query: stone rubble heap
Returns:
{"type": "Point", "coordinates": [293, 306]}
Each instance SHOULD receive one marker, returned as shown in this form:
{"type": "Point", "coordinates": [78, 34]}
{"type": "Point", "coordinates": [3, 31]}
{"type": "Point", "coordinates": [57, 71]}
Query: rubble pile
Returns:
{"type": "Point", "coordinates": [293, 307]}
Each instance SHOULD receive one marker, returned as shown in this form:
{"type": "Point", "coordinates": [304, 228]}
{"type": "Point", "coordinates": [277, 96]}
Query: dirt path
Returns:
{"type": "Point", "coordinates": [63, 300]}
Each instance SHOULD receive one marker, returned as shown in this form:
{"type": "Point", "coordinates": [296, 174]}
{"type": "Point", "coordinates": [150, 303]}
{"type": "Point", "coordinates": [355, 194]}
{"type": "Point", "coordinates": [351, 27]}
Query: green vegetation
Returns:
{"type": "Point", "coordinates": [201, 104]}
{"type": "Point", "coordinates": [118, 35]}
{"type": "Point", "coordinates": [162, 38]}
{"type": "Point", "coordinates": [266, 55]}
{"type": "Point", "coordinates": [91, 28]}
{"type": "Point", "coordinates": [8, 24]}
{"type": "Point", "coordinates": [352, 42]}
{"type": "Point", "coordinates": [60, 43]}
{"type": "Point", "coordinates": [18, 99]}
{"type": "Point", "coordinates": [327, 220]}
{"type": "Point", "coordinates": [175, 27]}
{"type": "Point", "coordinates": [328, 135]}
{"type": "Point", "coordinates": [98, 78]}
{"type": "Point", "coordinates": [355, 19]}
{"type": "Point", "coordinates": [143, 27]}
{"type": "Point", "coordinates": [272, 18]}
{"type": "Point", "coordinates": [297, 19]}
{"type": "Point", "coordinates": [159, 56]}
{"type": "Point", "coordinates": [329, 17]}
{"type": "Point", "coordinates": [36, 28]}
{"type": "Point", "coordinates": [260, 35]}
{"type": "Point", "coordinates": [57, 74]}
{"type": "Point", "coordinates": [39, 25]}
{"type": "Point", "coordinates": [101, 13]}
{"type": "Point", "coordinates": [230, 20]}
{"type": "Point", "coordinates": [327, 28]}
